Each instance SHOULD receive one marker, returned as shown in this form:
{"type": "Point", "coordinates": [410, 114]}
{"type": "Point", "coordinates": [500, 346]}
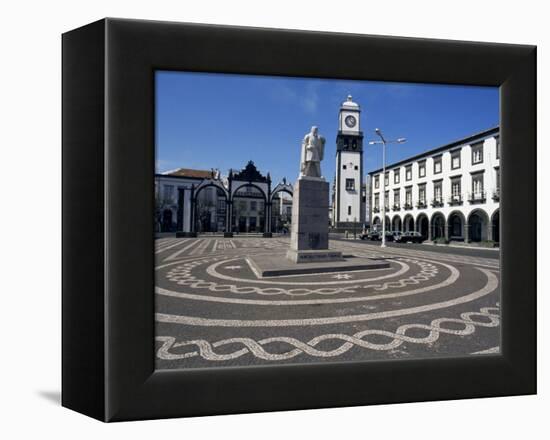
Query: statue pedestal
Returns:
{"type": "Point", "coordinates": [309, 235]}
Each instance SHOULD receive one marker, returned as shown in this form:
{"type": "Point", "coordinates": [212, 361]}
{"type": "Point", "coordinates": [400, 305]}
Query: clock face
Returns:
{"type": "Point", "coordinates": [350, 121]}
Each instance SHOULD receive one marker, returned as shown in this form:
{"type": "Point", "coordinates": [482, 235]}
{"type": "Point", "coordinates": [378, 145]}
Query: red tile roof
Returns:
{"type": "Point", "coordinates": [187, 172]}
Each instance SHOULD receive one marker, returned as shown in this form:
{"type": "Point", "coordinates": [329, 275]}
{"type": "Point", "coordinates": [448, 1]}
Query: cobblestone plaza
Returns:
{"type": "Point", "coordinates": [212, 310]}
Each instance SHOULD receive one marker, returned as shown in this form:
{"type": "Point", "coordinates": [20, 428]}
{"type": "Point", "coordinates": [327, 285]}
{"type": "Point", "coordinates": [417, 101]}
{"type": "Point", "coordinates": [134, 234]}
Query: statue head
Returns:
{"type": "Point", "coordinates": [315, 130]}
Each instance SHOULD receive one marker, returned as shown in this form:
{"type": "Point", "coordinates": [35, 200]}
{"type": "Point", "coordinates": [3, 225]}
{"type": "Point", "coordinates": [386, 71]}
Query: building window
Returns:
{"type": "Point", "coordinates": [396, 197]}
{"type": "Point", "coordinates": [396, 175]}
{"type": "Point", "coordinates": [350, 184]}
{"type": "Point", "coordinates": [422, 194]}
{"type": "Point", "coordinates": [376, 201]}
{"type": "Point", "coordinates": [377, 181]}
{"type": "Point", "coordinates": [387, 200]}
{"type": "Point", "coordinates": [408, 172]}
{"type": "Point", "coordinates": [168, 193]}
{"type": "Point", "coordinates": [344, 167]}
{"type": "Point", "coordinates": [477, 187]}
{"type": "Point", "coordinates": [497, 139]}
{"type": "Point", "coordinates": [422, 169]}
{"type": "Point", "coordinates": [437, 165]}
{"type": "Point", "coordinates": [456, 190]}
{"type": "Point", "coordinates": [477, 153]}
{"type": "Point", "coordinates": [253, 206]}
{"type": "Point", "coordinates": [387, 178]}
{"type": "Point", "coordinates": [355, 167]}
{"type": "Point", "coordinates": [455, 160]}
{"type": "Point", "coordinates": [496, 193]}
{"type": "Point", "coordinates": [349, 210]}
{"type": "Point", "coordinates": [408, 198]}
{"type": "Point", "coordinates": [438, 195]}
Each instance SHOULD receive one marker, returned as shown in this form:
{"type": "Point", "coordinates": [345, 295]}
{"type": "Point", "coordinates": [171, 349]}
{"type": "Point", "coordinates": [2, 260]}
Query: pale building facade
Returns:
{"type": "Point", "coordinates": [281, 213]}
{"type": "Point", "coordinates": [367, 199]}
{"type": "Point", "coordinates": [451, 192]}
{"type": "Point", "coordinates": [174, 193]}
{"type": "Point", "coordinates": [199, 201]}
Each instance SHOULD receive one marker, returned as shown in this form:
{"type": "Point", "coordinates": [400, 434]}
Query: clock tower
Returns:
{"type": "Point", "coordinates": [349, 201]}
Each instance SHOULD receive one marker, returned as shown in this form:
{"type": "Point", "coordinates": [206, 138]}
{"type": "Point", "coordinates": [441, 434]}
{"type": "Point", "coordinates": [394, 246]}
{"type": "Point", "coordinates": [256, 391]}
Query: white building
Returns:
{"type": "Point", "coordinates": [281, 212]}
{"type": "Point", "coordinates": [348, 198]}
{"type": "Point", "coordinates": [199, 201]}
{"type": "Point", "coordinates": [173, 197]}
{"type": "Point", "coordinates": [451, 192]}
{"type": "Point", "coordinates": [367, 199]}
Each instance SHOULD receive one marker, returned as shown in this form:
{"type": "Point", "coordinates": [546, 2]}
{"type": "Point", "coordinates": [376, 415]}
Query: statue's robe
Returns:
{"type": "Point", "coordinates": [313, 151]}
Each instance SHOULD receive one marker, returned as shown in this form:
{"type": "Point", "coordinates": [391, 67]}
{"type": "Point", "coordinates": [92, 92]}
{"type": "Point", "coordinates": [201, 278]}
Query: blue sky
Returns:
{"type": "Point", "coordinates": [221, 121]}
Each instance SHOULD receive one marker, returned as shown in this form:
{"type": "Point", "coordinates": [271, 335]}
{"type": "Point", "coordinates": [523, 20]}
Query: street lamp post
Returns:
{"type": "Point", "coordinates": [383, 141]}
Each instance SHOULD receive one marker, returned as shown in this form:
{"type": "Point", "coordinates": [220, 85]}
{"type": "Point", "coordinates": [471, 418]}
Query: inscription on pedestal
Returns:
{"type": "Point", "coordinates": [313, 256]}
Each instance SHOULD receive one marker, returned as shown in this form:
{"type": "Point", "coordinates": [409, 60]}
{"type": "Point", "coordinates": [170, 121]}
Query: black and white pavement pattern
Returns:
{"type": "Point", "coordinates": [212, 310]}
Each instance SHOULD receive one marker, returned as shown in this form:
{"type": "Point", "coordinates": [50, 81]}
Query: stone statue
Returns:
{"type": "Point", "coordinates": [313, 151]}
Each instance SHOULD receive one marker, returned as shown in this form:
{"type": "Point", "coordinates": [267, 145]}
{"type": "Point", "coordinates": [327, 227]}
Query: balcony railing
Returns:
{"type": "Point", "coordinates": [455, 199]}
{"type": "Point", "coordinates": [496, 195]}
{"type": "Point", "coordinates": [477, 197]}
{"type": "Point", "coordinates": [408, 206]}
{"type": "Point", "coordinates": [421, 204]}
{"type": "Point", "coordinates": [396, 207]}
{"type": "Point", "coordinates": [437, 202]}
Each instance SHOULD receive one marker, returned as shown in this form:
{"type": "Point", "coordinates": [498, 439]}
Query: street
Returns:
{"type": "Point", "coordinates": [456, 250]}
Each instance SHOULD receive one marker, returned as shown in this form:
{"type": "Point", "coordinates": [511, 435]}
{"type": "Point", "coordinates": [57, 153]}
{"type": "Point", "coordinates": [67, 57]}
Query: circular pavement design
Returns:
{"type": "Point", "coordinates": [211, 309]}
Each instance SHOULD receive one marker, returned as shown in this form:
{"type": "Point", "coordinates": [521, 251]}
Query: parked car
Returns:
{"type": "Point", "coordinates": [377, 235]}
{"type": "Point", "coordinates": [410, 237]}
{"type": "Point", "coordinates": [390, 235]}
{"type": "Point", "coordinates": [395, 236]}
{"type": "Point", "coordinates": [372, 235]}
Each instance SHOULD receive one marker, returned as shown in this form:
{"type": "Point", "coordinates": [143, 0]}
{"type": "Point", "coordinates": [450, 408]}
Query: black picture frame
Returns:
{"type": "Point", "coordinates": [108, 201]}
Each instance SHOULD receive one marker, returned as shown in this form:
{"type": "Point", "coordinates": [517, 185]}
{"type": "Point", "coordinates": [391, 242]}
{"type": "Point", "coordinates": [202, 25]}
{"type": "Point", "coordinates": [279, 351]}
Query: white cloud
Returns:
{"type": "Point", "coordinates": [306, 97]}
{"type": "Point", "coordinates": [310, 100]}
